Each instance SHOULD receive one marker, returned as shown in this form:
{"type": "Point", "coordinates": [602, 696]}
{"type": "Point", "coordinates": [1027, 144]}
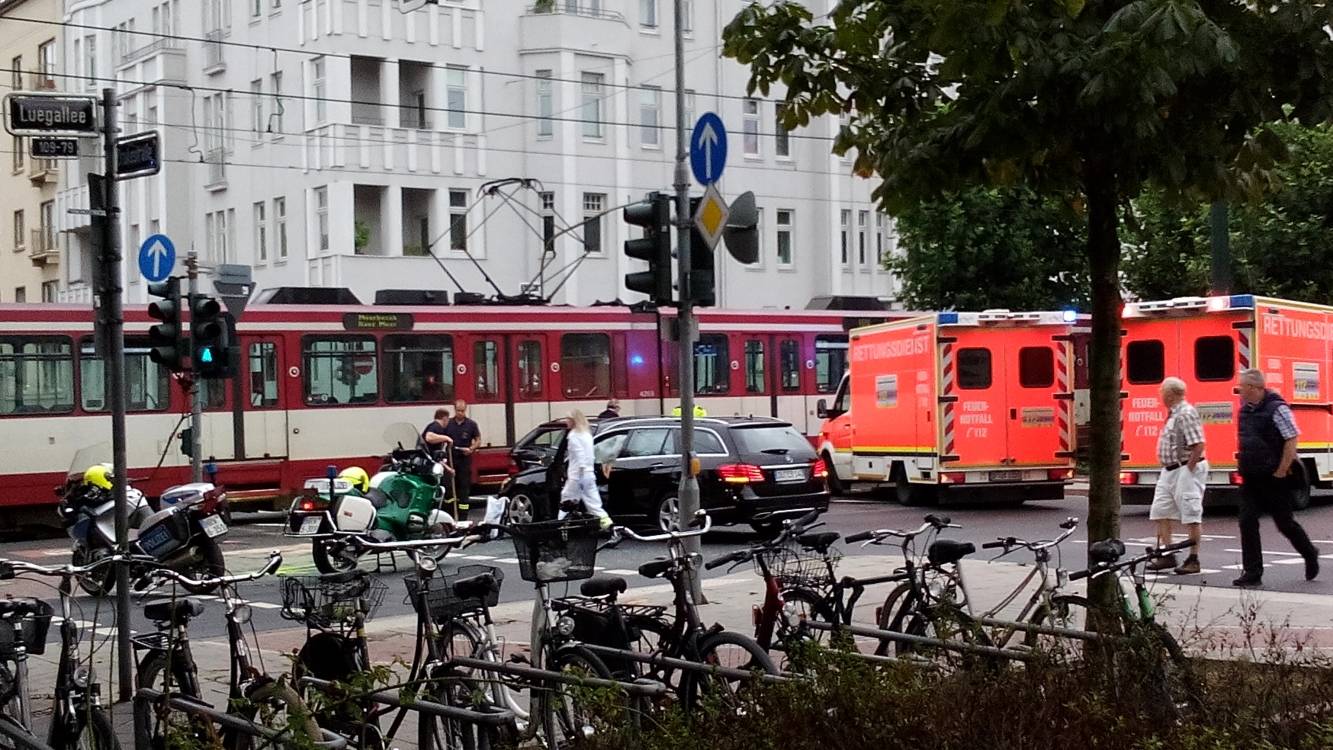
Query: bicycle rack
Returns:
{"type": "Point", "coordinates": [921, 640]}
{"type": "Point", "coordinates": [658, 660]}
{"type": "Point", "coordinates": [1029, 627]}
{"type": "Point", "coordinates": [648, 688]}
{"type": "Point", "coordinates": [20, 737]}
{"type": "Point", "coordinates": [495, 717]}
{"type": "Point", "coordinates": [144, 699]}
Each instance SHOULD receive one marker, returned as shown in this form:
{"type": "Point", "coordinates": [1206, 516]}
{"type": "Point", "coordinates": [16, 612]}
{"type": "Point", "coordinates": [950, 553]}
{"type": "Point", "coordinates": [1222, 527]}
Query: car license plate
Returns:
{"type": "Point", "coordinates": [213, 526]}
{"type": "Point", "coordinates": [1006, 476]}
{"type": "Point", "coordinates": [310, 525]}
{"type": "Point", "coordinates": [789, 475]}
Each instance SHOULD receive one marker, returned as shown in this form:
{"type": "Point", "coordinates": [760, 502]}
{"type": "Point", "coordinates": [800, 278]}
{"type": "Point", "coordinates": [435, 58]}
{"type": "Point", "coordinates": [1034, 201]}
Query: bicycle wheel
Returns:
{"type": "Point", "coordinates": [91, 730]}
{"type": "Point", "coordinates": [1067, 611]}
{"type": "Point", "coordinates": [1174, 677]}
{"type": "Point", "coordinates": [11, 702]}
{"type": "Point", "coordinates": [729, 650]}
{"type": "Point", "coordinates": [151, 673]}
{"type": "Point", "coordinates": [570, 713]}
{"type": "Point", "coordinates": [954, 630]}
{"type": "Point", "coordinates": [892, 615]}
{"type": "Point", "coordinates": [11, 726]}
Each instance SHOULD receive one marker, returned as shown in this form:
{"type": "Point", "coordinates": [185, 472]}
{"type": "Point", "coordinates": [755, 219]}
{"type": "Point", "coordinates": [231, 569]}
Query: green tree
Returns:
{"type": "Point", "coordinates": [1088, 101]}
{"type": "Point", "coordinates": [991, 248]}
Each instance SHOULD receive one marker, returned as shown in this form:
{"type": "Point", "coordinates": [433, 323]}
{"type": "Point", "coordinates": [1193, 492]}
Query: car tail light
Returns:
{"type": "Point", "coordinates": [1129, 477]}
{"type": "Point", "coordinates": [821, 469]}
{"type": "Point", "coordinates": [1059, 475]}
{"type": "Point", "coordinates": [954, 477]}
{"type": "Point", "coordinates": [740, 473]}
{"type": "Point", "coordinates": [513, 467]}
{"type": "Point", "coordinates": [1235, 478]}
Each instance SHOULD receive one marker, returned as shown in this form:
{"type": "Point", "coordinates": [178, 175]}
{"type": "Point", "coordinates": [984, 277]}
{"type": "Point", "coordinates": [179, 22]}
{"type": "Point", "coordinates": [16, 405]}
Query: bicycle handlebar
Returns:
{"type": "Point", "coordinates": [1150, 553]}
{"type": "Point", "coordinates": [11, 568]}
{"type": "Point", "coordinates": [859, 536]}
{"type": "Point", "coordinates": [878, 535]}
{"type": "Point", "coordinates": [271, 567]}
{"type": "Point", "coordinates": [997, 544]}
{"type": "Point", "coordinates": [670, 535]}
{"type": "Point", "coordinates": [1009, 542]}
{"type": "Point", "coordinates": [731, 557]}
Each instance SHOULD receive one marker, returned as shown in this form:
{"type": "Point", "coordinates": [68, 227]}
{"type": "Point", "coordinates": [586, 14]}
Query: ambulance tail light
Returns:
{"type": "Point", "coordinates": [1129, 477]}
{"type": "Point", "coordinates": [1234, 478]}
{"type": "Point", "coordinates": [820, 471]}
{"type": "Point", "coordinates": [953, 477]}
{"type": "Point", "coordinates": [740, 473]}
{"type": "Point", "coordinates": [1059, 475]}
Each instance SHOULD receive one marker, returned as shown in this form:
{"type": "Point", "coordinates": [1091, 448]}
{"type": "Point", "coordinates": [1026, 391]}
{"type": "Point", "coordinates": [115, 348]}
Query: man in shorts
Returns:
{"type": "Point", "coordinates": [1179, 493]}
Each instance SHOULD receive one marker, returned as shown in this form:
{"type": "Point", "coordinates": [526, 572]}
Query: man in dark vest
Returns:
{"type": "Point", "coordinates": [1268, 438]}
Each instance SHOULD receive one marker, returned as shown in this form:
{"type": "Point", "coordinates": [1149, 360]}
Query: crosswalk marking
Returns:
{"type": "Point", "coordinates": [621, 572]}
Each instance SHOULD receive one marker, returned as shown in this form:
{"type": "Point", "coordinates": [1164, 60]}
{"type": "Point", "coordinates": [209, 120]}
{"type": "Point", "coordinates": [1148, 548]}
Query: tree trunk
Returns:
{"type": "Point", "coordinates": [1104, 369]}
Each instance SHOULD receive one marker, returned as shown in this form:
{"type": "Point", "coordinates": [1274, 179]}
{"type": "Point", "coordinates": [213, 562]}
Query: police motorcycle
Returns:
{"type": "Point", "coordinates": [181, 532]}
{"type": "Point", "coordinates": [405, 499]}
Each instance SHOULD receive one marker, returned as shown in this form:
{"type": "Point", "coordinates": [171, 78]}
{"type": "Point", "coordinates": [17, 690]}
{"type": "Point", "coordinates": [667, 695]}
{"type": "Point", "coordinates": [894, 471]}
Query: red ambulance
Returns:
{"type": "Point", "coordinates": [1207, 342]}
{"type": "Point", "coordinates": [953, 402]}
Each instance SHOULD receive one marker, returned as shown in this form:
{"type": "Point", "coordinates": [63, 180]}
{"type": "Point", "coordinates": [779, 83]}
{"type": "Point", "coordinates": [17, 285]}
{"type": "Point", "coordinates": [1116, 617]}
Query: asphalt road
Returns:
{"type": "Point", "coordinates": [247, 546]}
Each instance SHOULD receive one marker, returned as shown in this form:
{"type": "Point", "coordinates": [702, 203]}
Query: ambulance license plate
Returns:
{"type": "Point", "coordinates": [213, 526]}
{"type": "Point", "coordinates": [310, 525]}
{"type": "Point", "coordinates": [1006, 476]}
{"type": "Point", "coordinates": [789, 475]}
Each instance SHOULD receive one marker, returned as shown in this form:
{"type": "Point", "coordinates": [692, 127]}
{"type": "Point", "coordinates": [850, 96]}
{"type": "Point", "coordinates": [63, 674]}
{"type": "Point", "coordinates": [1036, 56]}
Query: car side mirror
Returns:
{"type": "Point", "coordinates": [821, 409]}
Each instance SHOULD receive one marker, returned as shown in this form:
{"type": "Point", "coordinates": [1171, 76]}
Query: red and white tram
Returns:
{"type": "Point", "coordinates": [317, 384]}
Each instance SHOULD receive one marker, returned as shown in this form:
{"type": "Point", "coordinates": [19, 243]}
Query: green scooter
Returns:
{"type": "Point", "coordinates": [405, 500]}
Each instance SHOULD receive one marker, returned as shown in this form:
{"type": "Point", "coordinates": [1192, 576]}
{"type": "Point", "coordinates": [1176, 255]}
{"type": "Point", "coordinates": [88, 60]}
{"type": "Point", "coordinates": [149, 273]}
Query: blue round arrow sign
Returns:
{"type": "Point", "coordinates": [157, 256]}
{"type": "Point", "coordinates": [708, 148]}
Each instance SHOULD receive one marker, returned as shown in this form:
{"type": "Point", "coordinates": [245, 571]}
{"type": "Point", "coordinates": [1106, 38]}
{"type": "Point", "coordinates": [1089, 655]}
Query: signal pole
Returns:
{"type": "Point", "coordinates": [196, 383]}
{"type": "Point", "coordinates": [688, 492]}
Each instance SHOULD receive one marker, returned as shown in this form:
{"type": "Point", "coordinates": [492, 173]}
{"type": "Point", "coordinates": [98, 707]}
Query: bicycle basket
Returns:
{"type": "Point", "coordinates": [793, 567]}
{"type": "Point", "coordinates": [442, 602]}
{"type": "Point", "coordinates": [553, 551]}
{"type": "Point", "coordinates": [29, 632]}
{"type": "Point", "coordinates": [321, 602]}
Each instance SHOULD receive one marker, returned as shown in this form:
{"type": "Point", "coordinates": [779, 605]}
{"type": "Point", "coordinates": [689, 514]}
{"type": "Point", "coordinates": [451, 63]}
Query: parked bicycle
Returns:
{"type": "Point", "coordinates": [77, 718]}
{"type": "Point", "coordinates": [166, 664]}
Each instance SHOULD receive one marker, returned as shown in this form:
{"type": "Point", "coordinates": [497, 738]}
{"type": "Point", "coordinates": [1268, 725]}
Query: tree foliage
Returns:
{"type": "Point", "coordinates": [991, 248]}
{"type": "Point", "coordinates": [1086, 101]}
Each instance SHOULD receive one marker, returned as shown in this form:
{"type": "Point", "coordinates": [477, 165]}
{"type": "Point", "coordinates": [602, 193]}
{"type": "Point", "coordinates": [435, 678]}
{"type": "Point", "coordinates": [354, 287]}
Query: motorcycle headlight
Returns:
{"type": "Point", "coordinates": [565, 626]}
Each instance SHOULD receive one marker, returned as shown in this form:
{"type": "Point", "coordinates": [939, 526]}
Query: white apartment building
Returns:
{"type": "Point", "coordinates": [329, 142]}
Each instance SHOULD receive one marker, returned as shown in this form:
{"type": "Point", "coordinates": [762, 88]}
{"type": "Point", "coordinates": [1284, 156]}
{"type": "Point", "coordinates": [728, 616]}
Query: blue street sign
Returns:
{"type": "Point", "coordinates": [708, 148]}
{"type": "Point", "coordinates": [157, 256]}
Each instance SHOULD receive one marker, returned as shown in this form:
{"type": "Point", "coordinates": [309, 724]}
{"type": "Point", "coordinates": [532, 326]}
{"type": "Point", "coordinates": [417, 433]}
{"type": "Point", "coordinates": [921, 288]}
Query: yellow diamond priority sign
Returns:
{"type": "Point", "coordinates": [710, 218]}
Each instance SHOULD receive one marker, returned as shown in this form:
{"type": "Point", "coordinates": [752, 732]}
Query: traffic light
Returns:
{"type": "Point", "coordinates": [208, 339]}
{"type": "Point", "coordinates": [702, 284]}
{"type": "Point", "coordinates": [654, 215]}
{"type": "Point", "coordinates": [168, 346]}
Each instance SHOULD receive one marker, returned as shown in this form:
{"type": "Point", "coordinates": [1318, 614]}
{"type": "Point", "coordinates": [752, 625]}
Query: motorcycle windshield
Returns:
{"type": "Point", "coordinates": [99, 453]}
{"type": "Point", "coordinates": [401, 435]}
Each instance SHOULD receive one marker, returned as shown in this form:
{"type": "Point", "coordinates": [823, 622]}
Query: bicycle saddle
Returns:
{"type": "Point", "coordinates": [23, 606]}
{"type": "Point", "coordinates": [480, 586]}
{"type": "Point", "coordinates": [945, 551]}
{"type": "Point", "coordinates": [1106, 551]}
{"type": "Point", "coordinates": [655, 569]}
{"type": "Point", "coordinates": [173, 611]}
{"type": "Point", "coordinates": [604, 586]}
{"type": "Point", "coordinates": [818, 541]}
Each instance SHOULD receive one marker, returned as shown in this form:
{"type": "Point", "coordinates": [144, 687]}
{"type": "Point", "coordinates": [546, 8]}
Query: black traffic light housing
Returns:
{"type": "Point", "coordinates": [702, 289]}
{"type": "Point", "coordinates": [210, 352]}
{"type": "Point", "coordinates": [167, 343]}
{"type": "Point", "coordinates": [654, 215]}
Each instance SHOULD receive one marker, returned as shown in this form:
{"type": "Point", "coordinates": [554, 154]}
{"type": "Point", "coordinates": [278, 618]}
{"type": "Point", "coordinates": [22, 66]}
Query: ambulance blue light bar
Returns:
{"type": "Point", "coordinates": [948, 318]}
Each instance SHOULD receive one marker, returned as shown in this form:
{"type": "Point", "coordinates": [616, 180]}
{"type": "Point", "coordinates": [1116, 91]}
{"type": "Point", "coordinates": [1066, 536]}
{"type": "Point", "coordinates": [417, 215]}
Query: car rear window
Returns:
{"type": "Point", "coordinates": [772, 440]}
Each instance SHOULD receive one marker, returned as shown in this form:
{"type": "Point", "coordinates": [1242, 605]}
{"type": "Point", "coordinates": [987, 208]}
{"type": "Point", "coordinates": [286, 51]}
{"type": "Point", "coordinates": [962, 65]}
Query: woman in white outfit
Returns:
{"type": "Point", "coordinates": [581, 469]}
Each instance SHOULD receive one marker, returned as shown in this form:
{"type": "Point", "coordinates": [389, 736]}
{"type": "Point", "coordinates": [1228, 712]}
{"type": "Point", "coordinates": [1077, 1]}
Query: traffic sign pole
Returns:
{"type": "Point", "coordinates": [196, 385]}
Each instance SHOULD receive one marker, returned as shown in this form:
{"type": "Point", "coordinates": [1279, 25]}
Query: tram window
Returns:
{"type": "Point", "coordinates": [1145, 362]}
{"type": "Point", "coordinates": [754, 367]}
{"type": "Point", "coordinates": [486, 366]}
{"type": "Point", "coordinates": [974, 369]}
{"type": "Point", "coordinates": [585, 364]}
{"type": "Point", "coordinates": [263, 374]}
{"type": "Point", "coordinates": [530, 369]}
{"type": "Point", "coordinates": [712, 364]}
{"type": "Point", "coordinates": [419, 368]}
{"type": "Point", "coordinates": [830, 362]}
{"type": "Point", "coordinates": [147, 384]}
{"type": "Point", "coordinates": [1036, 367]}
{"type": "Point", "coordinates": [1214, 358]}
{"type": "Point", "coordinates": [790, 350]}
{"type": "Point", "coordinates": [36, 375]}
{"type": "Point", "coordinates": [340, 370]}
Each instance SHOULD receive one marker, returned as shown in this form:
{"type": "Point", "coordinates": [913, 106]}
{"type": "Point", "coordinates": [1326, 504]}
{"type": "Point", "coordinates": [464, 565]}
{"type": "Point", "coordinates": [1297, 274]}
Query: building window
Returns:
{"type": "Point", "coordinates": [545, 105]}
{"type": "Point", "coordinates": [340, 370]}
{"type": "Point", "coordinates": [257, 106]}
{"type": "Point", "coordinates": [781, 136]}
{"type": "Point", "coordinates": [862, 220]}
{"type": "Point", "coordinates": [648, 13]}
{"type": "Point", "coordinates": [458, 220]}
{"type": "Point", "coordinates": [16, 73]}
{"type": "Point", "coordinates": [18, 231]}
{"type": "Point", "coordinates": [879, 240]}
{"type": "Point", "coordinates": [280, 226]}
{"type": "Point", "coordinates": [585, 365]}
{"type": "Point", "coordinates": [455, 83]}
{"type": "Point", "coordinates": [90, 58]}
{"type": "Point", "coordinates": [846, 224]}
{"type": "Point", "coordinates": [18, 154]}
{"type": "Point", "coordinates": [317, 89]}
{"type": "Point", "coordinates": [687, 16]}
{"type": "Point", "coordinates": [751, 134]}
{"type": "Point", "coordinates": [785, 229]}
{"type": "Point", "coordinates": [261, 232]}
{"type": "Point", "coordinates": [650, 104]}
{"type": "Point", "coordinates": [275, 120]}
{"type": "Point", "coordinates": [50, 290]}
{"type": "Point", "coordinates": [548, 221]}
{"type": "Point", "coordinates": [256, 8]}
{"type": "Point", "coordinates": [419, 368]}
{"type": "Point", "coordinates": [592, 105]}
{"type": "Point", "coordinates": [593, 205]}
{"type": "Point", "coordinates": [322, 216]}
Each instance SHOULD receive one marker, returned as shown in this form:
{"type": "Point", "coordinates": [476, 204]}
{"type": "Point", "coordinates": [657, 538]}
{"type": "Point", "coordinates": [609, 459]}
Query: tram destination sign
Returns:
{"type": "Point", "coordinates": [378, 321]}
{"type": "Point", "coordinates": [38, 114]}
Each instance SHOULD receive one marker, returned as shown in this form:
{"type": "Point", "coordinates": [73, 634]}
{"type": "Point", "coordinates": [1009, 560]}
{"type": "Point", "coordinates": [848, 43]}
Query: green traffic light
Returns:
{"type": "Point", "coordinates": [206, 356]}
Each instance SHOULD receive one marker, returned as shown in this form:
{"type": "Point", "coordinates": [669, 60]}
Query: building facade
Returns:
{"type": "Point", "coordinates": [343, 143]}
{"type": "Point", "coordinates": [30, 255]}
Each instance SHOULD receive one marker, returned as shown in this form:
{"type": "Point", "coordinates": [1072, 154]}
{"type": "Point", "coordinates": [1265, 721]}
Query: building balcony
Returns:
{"type": "Point", "coordinates": [41, 81]}
{"type": "Point", "coordinates": [401, 150]}
{"type": "Point", "coordinates": [217, 169]}
{"type": "Point", "coordinates": [214, 61]}
{"type": "Point", "coordinates": [566, 24]}
{"type": "Point", "coordinates": [42, 250]}
{"type": "Point", "coordinates": [44, 171]}
{"type": "Point", "coordinates": [154, 47]}
{"type": "Point", "coordinates": [73, 199]}
{"type": "Point", "coordinates": [77, 293]}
